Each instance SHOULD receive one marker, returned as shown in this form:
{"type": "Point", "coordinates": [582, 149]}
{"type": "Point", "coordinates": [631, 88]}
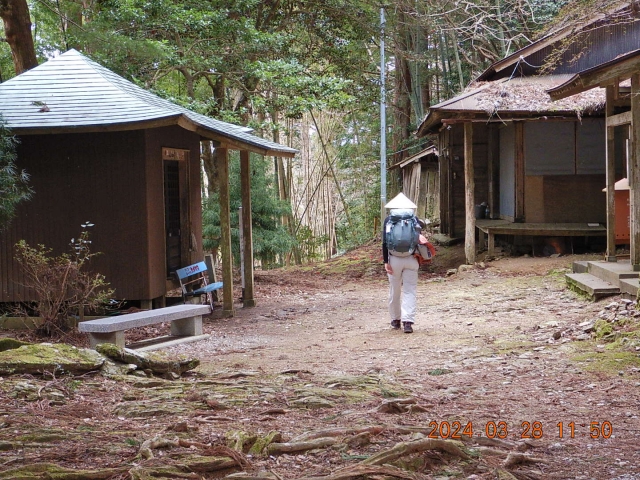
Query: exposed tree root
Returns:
{"type": "Point", "coordinates": [406, 448]}
{"type": "Point", "coordinates": [357, 471]}
{"type": "Point", "coordinates": [514, 459]}
{"type": "Point", "coordinates": [49, 470]}
{"type": "Point", "coordinates": [290, 447]}
{"type": "Point", "coordinates": [337, 432]}
{"type": "Point", "coordinates": [147, 447]}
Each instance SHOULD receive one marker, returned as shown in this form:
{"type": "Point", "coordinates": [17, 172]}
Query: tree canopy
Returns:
{"type": "Point", "coordinates": [301, 72]}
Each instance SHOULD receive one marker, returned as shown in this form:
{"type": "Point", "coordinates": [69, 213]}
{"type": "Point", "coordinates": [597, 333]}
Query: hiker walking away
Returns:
{"type": "Point", "coordinates": [400, 236]}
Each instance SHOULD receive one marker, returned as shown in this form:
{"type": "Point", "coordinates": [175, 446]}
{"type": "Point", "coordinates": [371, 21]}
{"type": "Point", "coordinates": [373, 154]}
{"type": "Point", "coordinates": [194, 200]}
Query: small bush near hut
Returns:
{"type": "Point", "coordinates": [62, 284]}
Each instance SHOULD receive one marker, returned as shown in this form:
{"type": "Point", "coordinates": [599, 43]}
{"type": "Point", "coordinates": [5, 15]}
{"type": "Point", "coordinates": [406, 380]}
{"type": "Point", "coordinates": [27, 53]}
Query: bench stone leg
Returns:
{"type": "Point", "coordinates": [117, 338]}
{"type": "Point", "coordinates": [188, 327]}
{"type": "Point", "coordinates": [491, 244]}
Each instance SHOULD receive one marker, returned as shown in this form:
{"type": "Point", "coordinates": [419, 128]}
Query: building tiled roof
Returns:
{"type": "Point", "coordinates": [72, 93]}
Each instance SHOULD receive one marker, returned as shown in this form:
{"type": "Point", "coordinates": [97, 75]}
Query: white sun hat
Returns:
{"type": "Point", "coordinates": [400, 201]}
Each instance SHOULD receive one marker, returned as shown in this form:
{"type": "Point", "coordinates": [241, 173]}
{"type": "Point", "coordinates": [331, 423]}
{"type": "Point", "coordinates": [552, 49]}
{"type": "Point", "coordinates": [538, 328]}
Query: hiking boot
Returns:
{"type": "Point", "coordinates": [395, 324]}
{"type": "Point", "coordinates": [408, 328]}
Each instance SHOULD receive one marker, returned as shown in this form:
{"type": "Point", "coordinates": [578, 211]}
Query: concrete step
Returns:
{"type": "Point", "coordinates": [629, 286]}
{"type": "Point", "coordinates": [594, 287]}
{"type": "Point", "coordinates": [612, 272]}
{"type": "Point", "coordinates": [580, 266]}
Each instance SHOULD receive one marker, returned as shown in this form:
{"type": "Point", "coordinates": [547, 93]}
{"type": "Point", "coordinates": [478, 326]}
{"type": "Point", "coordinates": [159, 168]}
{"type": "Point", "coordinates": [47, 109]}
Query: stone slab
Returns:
{"type": "Point", "coordinates": [591, 285]}
{"type": "Point", "coordinates": [142, 318]}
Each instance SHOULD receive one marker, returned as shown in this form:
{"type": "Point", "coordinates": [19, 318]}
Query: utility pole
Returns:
{"type": "Point", "coordinates": [383, 123]}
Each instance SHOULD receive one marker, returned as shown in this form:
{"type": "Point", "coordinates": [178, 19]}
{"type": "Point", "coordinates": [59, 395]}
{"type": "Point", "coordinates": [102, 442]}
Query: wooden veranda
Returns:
{"type": "Point", "coordinates": [622, 109]}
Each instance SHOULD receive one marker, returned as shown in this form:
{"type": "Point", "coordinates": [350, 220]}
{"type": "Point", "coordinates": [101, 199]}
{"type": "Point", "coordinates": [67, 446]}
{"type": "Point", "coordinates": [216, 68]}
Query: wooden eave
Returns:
{"type": "Point", "coordinates": [102, 128]}
{"type": "Point", "coordinates": [609, 73]}
{"type": "Point", "coordinates": [177, 119]}
{"type": "Point", "coordinates": [231, 143]}
{"type": "Point", "coordinates": [427, 152]}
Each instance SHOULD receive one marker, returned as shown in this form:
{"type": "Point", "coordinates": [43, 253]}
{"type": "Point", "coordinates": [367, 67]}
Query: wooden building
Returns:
{"type": "Point", "coordinates": [621, 79]}
{"type": "Point", "coordinates": [100, 149]}
{"type": "Point", "coordinates": [420, 182]}
{"type": "Point", "coordinates": [539, 164]}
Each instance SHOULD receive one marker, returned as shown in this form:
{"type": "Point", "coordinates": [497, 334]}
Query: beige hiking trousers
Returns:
{"type": "Point", "coordinates": [402, 288]}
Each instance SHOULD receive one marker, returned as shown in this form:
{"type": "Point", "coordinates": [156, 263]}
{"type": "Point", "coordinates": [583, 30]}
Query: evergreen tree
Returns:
{"type": "Point", "coordinates": [14, 186]}
{"type": "Point", "coordinates": [271, 240]}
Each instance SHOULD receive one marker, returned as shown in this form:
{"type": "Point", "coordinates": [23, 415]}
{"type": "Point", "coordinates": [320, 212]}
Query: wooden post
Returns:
{"type": "Point", "coordinates": [493, 168]}
{"type": "Point", "coordinates": [444, 159]}
{"type": "Point", "coordinates": [611, 180]}
{"type": "Point", "coordinates": [211, 270]}
{"type": "Point", "coordinates": [519, 172]}
{"type": "Point", "coordinates": [469, 188]}
{"type": "Point", "coordinates": [634, 174]}
{"type": "Point", "coordinates": [247, 230]}
{"type": "Point", "coordinates": [222, 158]}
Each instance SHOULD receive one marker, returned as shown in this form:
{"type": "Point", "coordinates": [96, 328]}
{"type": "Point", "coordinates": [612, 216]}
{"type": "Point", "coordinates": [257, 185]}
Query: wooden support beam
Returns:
{"type": "Point", "coordinates": [634, 172]}
{"type": "Point", "coordinates": [445, 182]}
{"type": "Point", "coordinates": [493, 168]}
{"type": "Point", "coordinates": [519, 171]}
{"type": "Point", "coordinates": [469, 188]}
{"type": "Point", "coordinates": [222, 158]}
{"type": "Point", "coordinates": [611, 178]}
{"type": "Point", "coordinates": [245, 187]}
{"type": "Point", "coordinates": [619, 119]}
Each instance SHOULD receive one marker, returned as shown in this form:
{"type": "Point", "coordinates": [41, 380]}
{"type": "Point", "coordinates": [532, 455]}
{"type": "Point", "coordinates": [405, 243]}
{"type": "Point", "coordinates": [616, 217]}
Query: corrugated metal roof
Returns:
{"type": "Point", "coordinates": [612, 16]}
{"type": "Point", "coordinates": [73, 93]}
{"type": "Point", "coordinates": [625, 66]}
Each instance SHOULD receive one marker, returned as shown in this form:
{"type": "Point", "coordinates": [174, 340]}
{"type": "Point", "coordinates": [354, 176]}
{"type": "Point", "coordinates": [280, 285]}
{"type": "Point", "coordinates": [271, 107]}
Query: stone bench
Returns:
{"type": "Point", "coordinates": [186, 320]}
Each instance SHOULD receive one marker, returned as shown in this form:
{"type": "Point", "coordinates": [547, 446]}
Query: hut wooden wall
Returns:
{"type": "Point", "coordinates": [421, 185]}
{"type": "Point", "coordinates": [114, 180]}
{"type": "Point", "coordinates": [564, 166]}
{"type": "Point", "coordinates": [456, 226]}
{"type": "Point", "coordinates": [430, 206]}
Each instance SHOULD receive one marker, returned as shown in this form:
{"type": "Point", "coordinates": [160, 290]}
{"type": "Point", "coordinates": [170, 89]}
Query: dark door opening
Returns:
{"type": "Point", "coordinates": [172, 220]}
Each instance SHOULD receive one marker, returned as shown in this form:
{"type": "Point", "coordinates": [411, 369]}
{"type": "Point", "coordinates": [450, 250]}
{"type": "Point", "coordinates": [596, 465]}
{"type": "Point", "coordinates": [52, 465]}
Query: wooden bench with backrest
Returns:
{"type": "Point", "coordinates": [194, 283]}
{"type": "Point", "coordinates": [186, 320]}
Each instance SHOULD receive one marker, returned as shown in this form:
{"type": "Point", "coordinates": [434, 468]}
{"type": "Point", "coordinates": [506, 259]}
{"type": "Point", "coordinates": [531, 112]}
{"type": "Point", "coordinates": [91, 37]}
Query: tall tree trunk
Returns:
{"type": "Point", "coordinates": [17, 29]}
{"type": "Point", "coordinates": [403, 89]}
{"type": "Point", "coordinates": [210, 167]}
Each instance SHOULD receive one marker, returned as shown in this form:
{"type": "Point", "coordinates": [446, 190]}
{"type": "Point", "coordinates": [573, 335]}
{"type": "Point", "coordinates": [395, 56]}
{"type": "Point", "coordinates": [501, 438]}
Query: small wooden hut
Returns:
{"type": "Point", "coordinates": [420, 184]}
{"type": "Point", "coordinates": [538, 164]}
{"type": "Point", "coordinates": [101, 149]}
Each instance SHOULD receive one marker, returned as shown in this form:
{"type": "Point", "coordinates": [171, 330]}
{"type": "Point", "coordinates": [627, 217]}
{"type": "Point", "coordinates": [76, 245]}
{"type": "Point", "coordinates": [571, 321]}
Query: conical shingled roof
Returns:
{"type": "Point", "coordinates": [71, 93]}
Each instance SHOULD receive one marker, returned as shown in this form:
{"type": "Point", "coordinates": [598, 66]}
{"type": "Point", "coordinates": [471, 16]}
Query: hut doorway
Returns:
{"type": "Point", "coordinates": [172, 217]}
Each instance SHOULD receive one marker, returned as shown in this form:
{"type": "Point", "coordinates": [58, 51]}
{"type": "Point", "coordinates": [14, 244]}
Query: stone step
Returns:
{"type": "Point", "coordinates": [580, 266]}
{"type": "Point", "coordinates": [594, 287]}
{"type": "Point", "coordinates": [629, 286]}
{"type": "Point", "coordinates": [612, 272]}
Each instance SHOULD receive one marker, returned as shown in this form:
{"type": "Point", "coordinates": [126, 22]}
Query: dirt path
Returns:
{"type": "Point", "coordinates": [483, 351]}
{"type": "Point", "coordinates": [498, 360]}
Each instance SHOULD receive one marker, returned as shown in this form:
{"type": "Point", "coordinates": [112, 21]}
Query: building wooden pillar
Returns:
{"type": "Point", "coordinates": [493, 167]}
{"type": "Point", "coordinates": [247, 230]}
{"type": "Point", "coordinates": [222, 158]}
{"type": "Point", "coordinates": [519, 172]}
{"type": "Point", "coordinates": [469, 189]}
{"type": "Point", "coordinates": [634, 172]}
{"type": "Point", "coordinates": [611, 180]}
{"type": "Point", "coordinates": [444, 159]}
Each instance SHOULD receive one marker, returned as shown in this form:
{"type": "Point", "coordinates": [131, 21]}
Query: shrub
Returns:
{"type": "Point", "coordinates": [61, 284]}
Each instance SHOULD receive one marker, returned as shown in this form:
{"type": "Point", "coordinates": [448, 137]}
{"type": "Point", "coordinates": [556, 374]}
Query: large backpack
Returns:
{"type": "Point", "coordinates": [402, 234]}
